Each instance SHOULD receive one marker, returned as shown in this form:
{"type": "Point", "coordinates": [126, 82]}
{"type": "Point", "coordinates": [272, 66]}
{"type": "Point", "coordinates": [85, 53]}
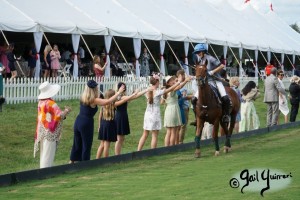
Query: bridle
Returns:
{"type": "Point", "coordinates": [201, 80]}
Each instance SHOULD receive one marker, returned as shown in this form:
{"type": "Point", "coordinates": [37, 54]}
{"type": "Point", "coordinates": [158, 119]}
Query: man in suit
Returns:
{"type": "Point", "coordinates": [272, 89]}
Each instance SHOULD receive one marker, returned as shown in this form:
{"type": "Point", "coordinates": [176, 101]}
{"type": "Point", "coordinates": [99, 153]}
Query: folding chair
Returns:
{"type": "Point", "coordinates": [65, 71]}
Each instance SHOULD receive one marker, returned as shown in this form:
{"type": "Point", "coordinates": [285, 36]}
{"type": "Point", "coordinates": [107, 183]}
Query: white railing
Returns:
{"type": "Point", "coordinates": [25, 90]}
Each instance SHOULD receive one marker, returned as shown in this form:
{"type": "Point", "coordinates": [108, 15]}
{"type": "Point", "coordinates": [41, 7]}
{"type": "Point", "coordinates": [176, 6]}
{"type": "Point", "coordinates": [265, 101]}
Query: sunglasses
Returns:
{"type": "Point", "coordinates": [281, 74]}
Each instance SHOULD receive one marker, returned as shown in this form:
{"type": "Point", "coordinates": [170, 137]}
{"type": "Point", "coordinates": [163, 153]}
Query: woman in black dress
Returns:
{"type": "Point", "coordinates": [11, 60]}
{"type": "Point", "coordinates": [121, 116]}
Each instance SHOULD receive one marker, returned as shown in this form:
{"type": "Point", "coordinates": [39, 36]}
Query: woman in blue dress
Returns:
{"type": "Point", "coordinates": [107, 126]}
{"type": "Point", "coordinates": [84, 123]}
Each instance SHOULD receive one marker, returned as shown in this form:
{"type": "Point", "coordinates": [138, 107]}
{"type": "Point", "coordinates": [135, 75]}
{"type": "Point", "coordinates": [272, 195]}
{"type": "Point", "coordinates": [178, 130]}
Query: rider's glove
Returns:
{"type": "Point", "coordinates": [211, 73]}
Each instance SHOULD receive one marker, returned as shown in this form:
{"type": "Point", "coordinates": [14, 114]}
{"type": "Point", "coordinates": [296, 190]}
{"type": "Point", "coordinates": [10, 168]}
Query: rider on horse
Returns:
{"type": "Point", "coordinates": [214, 66]}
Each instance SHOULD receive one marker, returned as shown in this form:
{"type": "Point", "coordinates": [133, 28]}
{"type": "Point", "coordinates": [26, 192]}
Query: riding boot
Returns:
{"type": "Point", "coordinates": [194, 103]}
{"type": "Point", "coordinates": [226, 105]}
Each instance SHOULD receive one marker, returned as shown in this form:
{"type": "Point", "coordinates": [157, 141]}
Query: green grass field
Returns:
{"type": "Point", "coordinates": [176, 176]}
{"type": "Point", "coordinates": [18, 123]}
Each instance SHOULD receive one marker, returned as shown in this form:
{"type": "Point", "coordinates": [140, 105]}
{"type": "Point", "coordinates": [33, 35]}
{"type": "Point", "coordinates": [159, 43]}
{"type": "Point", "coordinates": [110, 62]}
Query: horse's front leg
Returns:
{"type": "Point", "coordinates": [199, 128]}
{"type": "Point", "coordinates": [215, 137]}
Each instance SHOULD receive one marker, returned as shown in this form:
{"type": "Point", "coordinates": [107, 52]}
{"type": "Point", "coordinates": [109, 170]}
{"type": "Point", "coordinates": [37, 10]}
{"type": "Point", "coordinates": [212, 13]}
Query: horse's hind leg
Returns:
{"type": "Point", "coordinates": [227, 135]}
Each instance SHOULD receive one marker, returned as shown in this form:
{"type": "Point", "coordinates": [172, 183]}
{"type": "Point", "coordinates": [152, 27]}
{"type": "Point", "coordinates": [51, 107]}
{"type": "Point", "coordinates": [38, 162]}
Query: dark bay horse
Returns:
{"type": "Point", "coordinates": [209, 109]}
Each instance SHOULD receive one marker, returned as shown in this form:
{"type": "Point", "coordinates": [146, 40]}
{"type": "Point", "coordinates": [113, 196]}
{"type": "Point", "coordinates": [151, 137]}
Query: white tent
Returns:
{"type": "Point", "coordinates": [177, 20]}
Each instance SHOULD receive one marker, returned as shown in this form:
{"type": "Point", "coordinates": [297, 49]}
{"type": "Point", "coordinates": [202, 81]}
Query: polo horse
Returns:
{"type": "Point", "coordinates": [209, 109]}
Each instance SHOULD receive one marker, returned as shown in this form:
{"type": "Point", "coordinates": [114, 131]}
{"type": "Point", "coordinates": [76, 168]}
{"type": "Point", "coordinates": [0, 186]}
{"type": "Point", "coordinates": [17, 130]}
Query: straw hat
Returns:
{"type": "Point", "coordinates": [48, 90]}
{"type": "Point", "coordinates": [168, 78]}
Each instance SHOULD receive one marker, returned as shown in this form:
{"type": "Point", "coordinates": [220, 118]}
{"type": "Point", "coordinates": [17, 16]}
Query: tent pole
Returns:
{"type": "Point", "coordinates": [234, 55]}
{"type": "Point", "coordinates": [14, 55]}
{"type": "Point", "coordinates": [174, 54]}
{"type": "Point", "coordinates": [277, 59]}
{"type": "Point", "coordinates": [290, 61]}
{"type": "Point", "coordinates": [214, 53]}
{"type": "Point", "coordinates": [237, 61]}
{"type": "Point", "coordinates": [86, 46]}
{"type": "Point", "coordinates": [47, 40]}
{"type": "Point", "coordinates": [263, 56]}
{"type": "Point", "coordinates": [151, 54]}
{"type": "Point", "coordinates": [254, 65]}
{"type": "Point", "coordinates": [191, 43]}
{"type": "Point", "coordinates": [122, 54]}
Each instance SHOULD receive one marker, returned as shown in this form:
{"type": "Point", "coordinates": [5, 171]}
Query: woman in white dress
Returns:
{"type": "Point", "coordinates": [283, 104]}
{"type": "Point", "coordinates": [152, 117]}
{"type": "Point", "coordinates": [249, 118]}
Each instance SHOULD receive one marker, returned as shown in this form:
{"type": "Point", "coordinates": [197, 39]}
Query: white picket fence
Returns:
{"type": "Point", "coordinates": [25, 90]}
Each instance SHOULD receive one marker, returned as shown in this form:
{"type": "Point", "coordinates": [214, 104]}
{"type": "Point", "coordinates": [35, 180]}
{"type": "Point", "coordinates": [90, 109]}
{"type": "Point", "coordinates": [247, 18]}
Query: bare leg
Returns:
{"type": "Point", "coordinates": [236, 127]}
{"type": "Point", "coordinates": [100, 150]}
{"type": "Point", "coordinates": [54, 73]}
{"type": "Point", "coordinates": [106, 149]}
{"type": "Point", "coordinates": [14, 74]}
{"type": "Point", "coordinates": [154, 139]}
{"type": "Point", "coordinates": [143, 140]}
{"type": "Point", "coordinates": [167, 137]}
{"type": "Point", "coordinates": [173, 136]}
{"type": "Point", "coordinates": [286, 119]}
{"type": "Point", "coordinates": [46, 73]}
{"type": "Point", "coordinates": [119, 144]}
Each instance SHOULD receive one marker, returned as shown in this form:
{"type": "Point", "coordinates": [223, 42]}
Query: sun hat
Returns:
{"type": "Point", "coordinates": [200, 47]}
{"type": "Point", "coordinates": [92, 84]}
{"type": "Point", "coordinates": [168, 78]}
{"type": "Point", "coordinates": [48, 90]}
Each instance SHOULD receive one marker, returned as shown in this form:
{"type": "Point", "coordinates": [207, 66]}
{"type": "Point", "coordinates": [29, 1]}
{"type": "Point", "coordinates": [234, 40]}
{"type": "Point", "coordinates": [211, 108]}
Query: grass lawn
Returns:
{"type": "Point", "coordinates": [18, 123]}
{"type": "Point", "coordinates": [177, 176]}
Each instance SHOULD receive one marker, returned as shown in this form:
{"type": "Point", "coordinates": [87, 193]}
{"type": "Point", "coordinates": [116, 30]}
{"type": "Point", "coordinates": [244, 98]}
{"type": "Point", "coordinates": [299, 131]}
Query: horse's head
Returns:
{"type": "Point", "coordinates": [201, 73]}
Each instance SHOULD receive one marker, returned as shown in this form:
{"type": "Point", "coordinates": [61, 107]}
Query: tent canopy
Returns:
{"type": "Point", "coordinates": [177, 20]}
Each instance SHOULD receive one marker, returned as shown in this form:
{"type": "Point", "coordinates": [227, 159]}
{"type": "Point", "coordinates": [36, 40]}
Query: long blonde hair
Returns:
{"type": "Point", "coordinates": [233, 80]}
{"type": "Point", "coordinates": [109, 110]}
{"type": "Point", "coordinates": [89, 95]}
{"type": "Point", "coordinates": [47, 48]}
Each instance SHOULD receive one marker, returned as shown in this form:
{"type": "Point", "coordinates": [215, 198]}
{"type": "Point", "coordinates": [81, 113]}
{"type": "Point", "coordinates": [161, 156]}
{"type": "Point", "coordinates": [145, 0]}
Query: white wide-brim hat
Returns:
{"type": "Point", "coordinates": [168, 78]}
{"type": "Point", "coordinates": [48, 90]}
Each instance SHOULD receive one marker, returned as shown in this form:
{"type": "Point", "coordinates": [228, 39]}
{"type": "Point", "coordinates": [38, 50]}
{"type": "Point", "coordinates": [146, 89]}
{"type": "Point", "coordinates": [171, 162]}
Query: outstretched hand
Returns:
{"type": "Point", "coordinates": [68, 109]}
{"type": "Point", "coordinates": [121, 89]}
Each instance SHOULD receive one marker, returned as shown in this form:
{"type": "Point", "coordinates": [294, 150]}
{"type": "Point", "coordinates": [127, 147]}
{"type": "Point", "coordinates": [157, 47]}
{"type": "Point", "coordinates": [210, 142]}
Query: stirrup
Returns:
{"type": "Point", "coordinates": [225, 119]}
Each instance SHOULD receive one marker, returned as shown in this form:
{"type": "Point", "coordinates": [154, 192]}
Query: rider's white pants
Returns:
{"type": "Point", "coordinates": [220, 88]}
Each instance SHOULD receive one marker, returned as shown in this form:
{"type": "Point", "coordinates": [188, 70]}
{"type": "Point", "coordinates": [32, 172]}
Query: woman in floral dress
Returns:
{"type": "Point", "coordinates": [49, 124]}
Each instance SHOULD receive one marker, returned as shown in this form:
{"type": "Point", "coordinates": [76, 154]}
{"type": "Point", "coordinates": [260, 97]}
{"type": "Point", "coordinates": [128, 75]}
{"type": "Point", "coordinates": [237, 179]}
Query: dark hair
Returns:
{"type": "Point", "coordinates": [120, 84]}
{"type": "Point", "coordinates": [153, 81]}
{"type": "Point", "coordinates": [11, 45]}
{"type": "Point", "coordinates": [248, 87]}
